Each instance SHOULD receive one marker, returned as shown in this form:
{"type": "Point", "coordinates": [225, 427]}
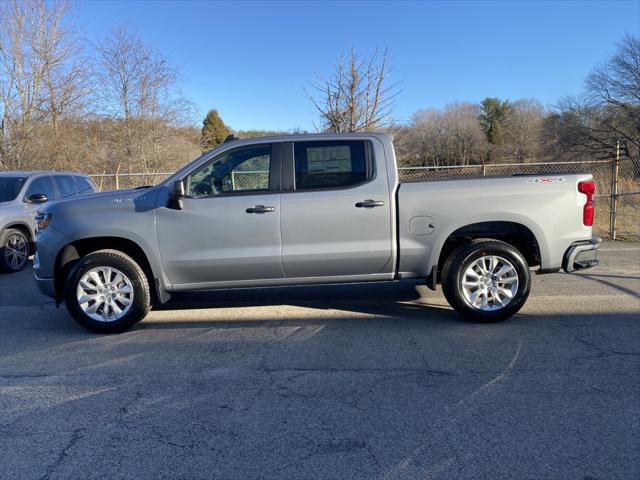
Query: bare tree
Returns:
{"type": "Point", "coordinates": [42, 79]}
{"type": "Point", "coordinates": [358, 96]}
{"type": "Point", "coordinates": [467, 141]}
{"type": "Point", "coordinates": [139, 90]}
{"type": "Point", "coordinates": [523, 129]}
{"type": "Point", "coordinates": [452, 136]}
{"type": "Point", "coordinates": [608, 111]}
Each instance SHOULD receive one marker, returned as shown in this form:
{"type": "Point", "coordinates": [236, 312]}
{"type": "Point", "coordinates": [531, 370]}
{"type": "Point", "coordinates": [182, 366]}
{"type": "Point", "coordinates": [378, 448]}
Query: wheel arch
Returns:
{"type": "Point", "coordinates": [24, 228]}
{"type": "Point", "coordinates": [73, 251]}
{"type": "Point", "coordinates": [517, 234]}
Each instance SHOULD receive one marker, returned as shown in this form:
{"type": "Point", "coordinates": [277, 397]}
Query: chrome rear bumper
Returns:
{"type": "Point", "coordinates": [581, 255]}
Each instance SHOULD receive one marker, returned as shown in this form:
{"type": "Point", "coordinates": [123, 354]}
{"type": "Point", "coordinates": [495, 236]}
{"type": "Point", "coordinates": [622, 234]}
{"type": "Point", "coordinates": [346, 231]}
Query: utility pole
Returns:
{"type": "Point", "coordinates": [614, 193]}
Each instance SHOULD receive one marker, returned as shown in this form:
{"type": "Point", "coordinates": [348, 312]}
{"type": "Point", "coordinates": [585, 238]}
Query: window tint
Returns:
{"type": "Point", "coordinates": [42, 185]}
{"type": "Point", "coordinates": [242, 170]}
{"type": "Point", "coordinates": [10, 187]}
{"type": "Point", "coordinates": [66, 186]}
{"type": "Point", "coordinates": [84, 185]}
{"type": "Point", "coordinates": [330, 164]}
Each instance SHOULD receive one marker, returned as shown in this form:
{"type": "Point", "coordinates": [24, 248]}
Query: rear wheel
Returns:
{"type": "Point", "coordinates": [14, 250]}
{"type": "Point", "coordinates": [107, 292]}
{"type": "Point", "coordinates": [486, 280]}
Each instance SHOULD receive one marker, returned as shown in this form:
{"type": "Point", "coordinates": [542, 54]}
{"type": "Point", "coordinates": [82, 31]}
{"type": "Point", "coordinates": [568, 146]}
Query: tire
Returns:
{"type": "Point", "coordinates": [127, 290]}
{"type": "Point", "coordinates": [504, 295]}
{"type": "Point", "coordinates": [14, 250]}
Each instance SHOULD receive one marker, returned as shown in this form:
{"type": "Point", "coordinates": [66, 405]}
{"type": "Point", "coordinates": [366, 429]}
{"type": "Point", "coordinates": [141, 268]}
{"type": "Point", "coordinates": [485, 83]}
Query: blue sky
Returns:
{"type": "Point", "coordinates": [251, 60]}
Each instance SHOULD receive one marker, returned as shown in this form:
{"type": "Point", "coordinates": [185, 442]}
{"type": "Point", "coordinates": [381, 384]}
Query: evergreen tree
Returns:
{"type": "Point", "coordinates": [493, 117]}
{"type": "Point", "coordinates": [214, 131]}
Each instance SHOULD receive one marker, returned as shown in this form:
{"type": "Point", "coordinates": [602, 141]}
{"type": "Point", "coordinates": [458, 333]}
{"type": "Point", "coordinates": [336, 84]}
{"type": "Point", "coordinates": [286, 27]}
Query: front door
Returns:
{"type": "Point", "coordinates": [336, 216]}
{"type": "Point", "coordinates": [228, 230]}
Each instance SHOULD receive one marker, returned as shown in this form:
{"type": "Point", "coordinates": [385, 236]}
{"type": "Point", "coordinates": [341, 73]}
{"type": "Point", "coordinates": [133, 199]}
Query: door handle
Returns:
{"type": "Point", "coordinates": [370, 204]}
{"type": "Point", "coordinates": [260, 209]}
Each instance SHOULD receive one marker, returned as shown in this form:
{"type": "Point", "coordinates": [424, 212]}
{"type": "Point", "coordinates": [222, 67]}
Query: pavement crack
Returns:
{"type": "Point", "coordinates": [606, 350]}
{"type": "Point", "coordinates": [124, 410]}
{"type": "Point", "coordinates": [64, 453]}
{"type": "Point", "coordinates": [165, 440]}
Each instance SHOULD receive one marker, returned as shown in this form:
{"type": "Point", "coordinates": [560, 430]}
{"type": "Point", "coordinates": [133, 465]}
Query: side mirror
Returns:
{"type": "Point", "coordinates": [178, 189]}
{"type": "Point", "coordinates": [177, 194]}
{"type": "Point", "coordinates": [38, 198]}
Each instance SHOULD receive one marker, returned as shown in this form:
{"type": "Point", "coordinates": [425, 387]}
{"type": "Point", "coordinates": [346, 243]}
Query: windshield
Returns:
{"type": "Point", "coordinates": [10, 187]}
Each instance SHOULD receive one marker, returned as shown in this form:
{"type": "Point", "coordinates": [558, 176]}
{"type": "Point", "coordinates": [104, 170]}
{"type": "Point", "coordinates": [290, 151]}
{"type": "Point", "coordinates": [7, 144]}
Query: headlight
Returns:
{"type": "Point", "coordinates": [43, 220]}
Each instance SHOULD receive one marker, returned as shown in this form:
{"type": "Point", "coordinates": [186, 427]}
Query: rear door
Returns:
{"type": "Point", "coordinates": [336, 210]}
{"type": "Point", "coordinates": [228, 230]}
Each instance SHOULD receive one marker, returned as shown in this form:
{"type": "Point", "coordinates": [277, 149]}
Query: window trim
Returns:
{"type": "Point", "coordinates": [275, 172]}
{"type": "Point", "coordinates": [288, 168]}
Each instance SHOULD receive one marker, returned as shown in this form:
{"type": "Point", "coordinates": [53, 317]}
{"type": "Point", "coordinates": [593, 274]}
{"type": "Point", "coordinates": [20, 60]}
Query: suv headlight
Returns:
{"type": "Point", "coordinates": [43, 220]}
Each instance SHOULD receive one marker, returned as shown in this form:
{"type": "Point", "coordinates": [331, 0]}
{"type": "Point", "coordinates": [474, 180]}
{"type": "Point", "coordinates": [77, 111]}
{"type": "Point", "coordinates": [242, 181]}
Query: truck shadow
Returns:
{"type": "Point", "coordinates": [406, 300]}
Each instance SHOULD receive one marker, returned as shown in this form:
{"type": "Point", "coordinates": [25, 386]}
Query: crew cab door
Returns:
{"type": "Point", "coordinates": [228, 230]}
{"type": "Point", "coordinates": [336, 210]}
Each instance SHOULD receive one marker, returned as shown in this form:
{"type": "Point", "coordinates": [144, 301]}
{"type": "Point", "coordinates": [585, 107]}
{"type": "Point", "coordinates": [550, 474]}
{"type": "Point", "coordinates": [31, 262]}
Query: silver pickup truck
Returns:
{"type": "Point", "coordinates": [311, 209]}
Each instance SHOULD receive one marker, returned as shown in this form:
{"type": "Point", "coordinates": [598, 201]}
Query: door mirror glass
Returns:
{"type": "Point", "coordinates": [38, 198]}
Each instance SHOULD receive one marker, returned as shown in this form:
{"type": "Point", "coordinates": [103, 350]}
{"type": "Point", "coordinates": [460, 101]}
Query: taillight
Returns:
{"type": "Point", "coordinates": [589, 209]}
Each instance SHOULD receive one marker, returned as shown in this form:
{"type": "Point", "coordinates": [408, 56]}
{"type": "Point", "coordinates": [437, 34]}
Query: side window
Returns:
{"type": "Point", "coordinates": [42, 185]}
{"type": "Point", "coordinates": [84, 185]}
{"type": "Point", "coordinates": [66, 186]}
{"type": "Point", "coordinates": [241, 170]}
{"type": "Point", "coordinates": [330, 164]}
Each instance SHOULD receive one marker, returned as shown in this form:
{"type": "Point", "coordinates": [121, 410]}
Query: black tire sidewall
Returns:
{"type": "Point", "coordinates": [139, 307]}
{"type": "Point", "coordinates": [472, 253]}
{"type": "Point", "coordinates": [4, 238]}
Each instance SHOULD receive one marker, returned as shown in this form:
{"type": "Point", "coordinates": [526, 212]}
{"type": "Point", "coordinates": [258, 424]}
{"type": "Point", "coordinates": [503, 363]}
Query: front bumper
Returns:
{"type": "Point", "coordinates": [581, 255]}
{"type": "Point", "coordinates": [46, 285]}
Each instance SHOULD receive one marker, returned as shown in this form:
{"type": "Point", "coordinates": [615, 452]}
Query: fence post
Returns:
{"type": "Point", "coordinates": [117, 179]}
{"type": "Point", "coordinates": [615, 166]}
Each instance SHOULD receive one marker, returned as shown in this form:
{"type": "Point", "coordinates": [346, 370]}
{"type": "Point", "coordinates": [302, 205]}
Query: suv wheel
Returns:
{"type": "Point", "coordinates": [486, 280]}
{"type": "Point", "coordinates": [14, 250]}
{"type": "Point", "coordinates": [107, 292]}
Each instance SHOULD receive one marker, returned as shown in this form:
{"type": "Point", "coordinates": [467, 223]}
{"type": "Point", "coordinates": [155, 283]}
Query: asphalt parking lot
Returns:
{"type": "Point", "coordinates": [364, 381]}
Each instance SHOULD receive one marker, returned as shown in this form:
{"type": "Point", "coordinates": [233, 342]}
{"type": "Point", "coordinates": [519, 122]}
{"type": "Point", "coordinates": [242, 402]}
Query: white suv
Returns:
{"type": "Point", "coordinates": [21, 194]}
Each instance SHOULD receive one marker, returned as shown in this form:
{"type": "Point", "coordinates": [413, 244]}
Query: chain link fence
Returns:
{"type": "Point", "coordinates": [238, 180]}
{"type": "Point", "coordinates": [618, 185]}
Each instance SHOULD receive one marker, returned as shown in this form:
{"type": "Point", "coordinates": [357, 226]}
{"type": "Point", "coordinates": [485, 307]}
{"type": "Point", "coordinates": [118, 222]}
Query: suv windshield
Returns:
{"type": "Point", "coordinates": [10, 187]}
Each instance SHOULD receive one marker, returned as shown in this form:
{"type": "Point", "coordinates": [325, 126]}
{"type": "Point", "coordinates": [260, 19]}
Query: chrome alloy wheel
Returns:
{"type": "Point", "coordinates": [16, 251]}
{"type": "Point", "coordinates": [490, 283]}
{"type": "Point", "coordinates": [105, 294]}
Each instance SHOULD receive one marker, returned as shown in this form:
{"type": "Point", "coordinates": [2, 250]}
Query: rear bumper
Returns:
{"type": "Point", "coordinates": [581, 255]}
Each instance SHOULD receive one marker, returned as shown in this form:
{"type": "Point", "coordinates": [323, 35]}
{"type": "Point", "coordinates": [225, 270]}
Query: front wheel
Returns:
{"type": "Point", "coordinates": [486, 280]}
{"type": "Point", "coordinates": [107, 292]}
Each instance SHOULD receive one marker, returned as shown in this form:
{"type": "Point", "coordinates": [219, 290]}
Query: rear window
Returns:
{"type": "Point", "coordinates": [333, 164]}
{"type": "Point", "coordinates": [84, 185]}
{"type": "Point", "coordinates": [10, 187]}
{"type": "Point", "coordinates": [66, 186]}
